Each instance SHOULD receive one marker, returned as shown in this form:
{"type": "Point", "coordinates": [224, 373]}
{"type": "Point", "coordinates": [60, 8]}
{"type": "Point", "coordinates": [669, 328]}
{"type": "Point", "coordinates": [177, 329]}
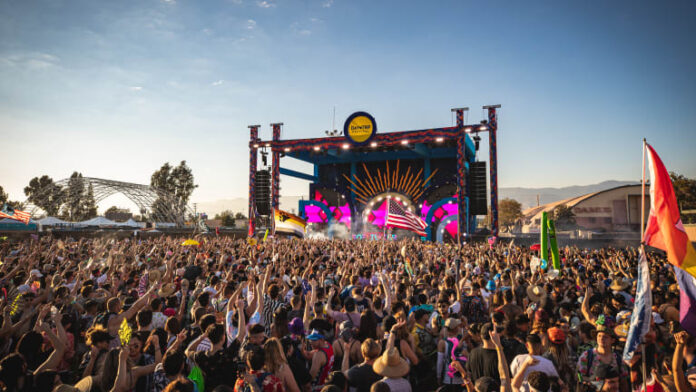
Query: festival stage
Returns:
{"type": "Point", "coordinates": [433, 173]}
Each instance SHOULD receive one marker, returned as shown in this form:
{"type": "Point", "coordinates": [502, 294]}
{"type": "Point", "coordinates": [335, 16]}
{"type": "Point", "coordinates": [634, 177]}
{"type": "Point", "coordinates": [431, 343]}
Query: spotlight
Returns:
{"type": "Point", "coordinates": [346, 146]}
{"type": "Point", "coordinates": [398, 198]}
{"type": "Point", "coordinates": [256, 146]}
{"type": "Point", "coordinates": [316, 148]}
{"type": "Point", "coordinates": [287, 149]}
{"type": "Point", "coordinates": [483, 128]}
{"type": "Point", "coordinates": [404, 142]}
{"type": "Point", "coordinates": [421, 205]}
{"type": "Point", "coordinates": [440, 139]}
{"type": "Point", "coordinates": [268, 144]}
{"type": "Point", "coordinates": [467, 129]}
{"type": "Point", "coordinates": [373, 144]}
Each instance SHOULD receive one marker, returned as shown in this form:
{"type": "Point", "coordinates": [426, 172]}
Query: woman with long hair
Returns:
{"type": "Point", "coordinates": [559, 354]}
{"type": "Point", "coordinates": [276, 363]}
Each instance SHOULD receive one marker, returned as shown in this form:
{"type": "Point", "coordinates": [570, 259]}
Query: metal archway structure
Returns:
{"type": "Point", "coordinates": [143, 196]}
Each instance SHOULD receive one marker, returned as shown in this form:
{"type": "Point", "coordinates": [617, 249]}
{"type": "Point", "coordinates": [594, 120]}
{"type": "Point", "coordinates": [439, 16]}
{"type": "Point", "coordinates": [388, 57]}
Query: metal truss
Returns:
{"type": "Point", "coordinates": [144, 196]}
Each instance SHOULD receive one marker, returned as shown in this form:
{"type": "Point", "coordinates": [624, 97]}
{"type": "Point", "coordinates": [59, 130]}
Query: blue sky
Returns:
{"type": "Point", "coordinates": [114, 89]}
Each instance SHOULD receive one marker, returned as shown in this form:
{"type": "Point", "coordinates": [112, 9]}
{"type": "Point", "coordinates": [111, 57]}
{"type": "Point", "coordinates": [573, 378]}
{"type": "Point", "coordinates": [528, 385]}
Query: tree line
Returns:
{"type": "Point", "coordinates": [75, 201]}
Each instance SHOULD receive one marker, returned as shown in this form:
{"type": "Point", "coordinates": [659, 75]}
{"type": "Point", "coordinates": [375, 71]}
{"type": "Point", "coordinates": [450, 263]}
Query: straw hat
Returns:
{"type": "Point", "coordinates": [390, 364]}
{"type": "Point", "coordinates": [167, 290]}
{"type": "Point", "coordinates": [452, 323]}
{"type": "Point", "coordinates": [154, 276]}
{"type": "Point", "coordinates": [536, 293]}
{"type": "Point", "coordinates": [619, 284]}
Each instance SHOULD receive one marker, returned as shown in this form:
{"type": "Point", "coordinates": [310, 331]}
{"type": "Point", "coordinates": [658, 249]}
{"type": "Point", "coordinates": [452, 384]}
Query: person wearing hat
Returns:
{"type": "Point", "coordinates": [590, 360]}
{"type": "Point", "coordinates": [537, 294]}
{"type": "Point", "coordinates": [322, 359]}
{"type": "Point", "coordinates": [392, 366]}
{"type": "Point", "coordinates": [558, 353]}
{"type": "Point", "coordinates": [524, 364]}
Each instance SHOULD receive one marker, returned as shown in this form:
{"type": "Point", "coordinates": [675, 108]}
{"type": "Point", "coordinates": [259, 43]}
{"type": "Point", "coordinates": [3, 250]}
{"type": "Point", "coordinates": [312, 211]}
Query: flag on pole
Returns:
{"type": "Point", "coordinates": [400, 217]}
{"type": "Point", "coordinates": [665, 229]}
{"type": "Point", "coordinates": [687, 300]}
{"type": "Point", "coordinates": [11, 213]}
{"type": "Point", "coordinates": [642, 309]}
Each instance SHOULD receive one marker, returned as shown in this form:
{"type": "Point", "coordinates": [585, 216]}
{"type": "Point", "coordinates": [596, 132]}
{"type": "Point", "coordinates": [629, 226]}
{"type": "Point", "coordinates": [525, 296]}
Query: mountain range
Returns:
{"type": "Point", "coordinates": [526, 196]}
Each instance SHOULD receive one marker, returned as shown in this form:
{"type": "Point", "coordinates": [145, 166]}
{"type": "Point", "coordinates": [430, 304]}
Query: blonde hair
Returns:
{"type": "Point", "coordinates": [275, 357]}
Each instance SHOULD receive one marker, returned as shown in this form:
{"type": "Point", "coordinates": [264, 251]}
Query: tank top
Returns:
{"type": "Point", "coordinates": [328, 351]}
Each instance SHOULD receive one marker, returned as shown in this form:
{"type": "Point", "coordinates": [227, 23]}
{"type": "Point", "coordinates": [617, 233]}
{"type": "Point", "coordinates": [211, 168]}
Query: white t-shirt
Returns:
{"type": "Point", "coordinates": [544, 366]}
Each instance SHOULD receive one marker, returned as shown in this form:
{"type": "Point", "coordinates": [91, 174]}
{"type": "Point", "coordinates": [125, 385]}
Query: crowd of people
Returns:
{"type": "Point", "coordinates": [153, 315]}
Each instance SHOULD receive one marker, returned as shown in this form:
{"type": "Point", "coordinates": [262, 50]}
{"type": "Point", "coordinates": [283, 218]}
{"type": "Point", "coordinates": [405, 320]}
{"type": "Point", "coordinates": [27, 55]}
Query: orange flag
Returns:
{"type": "Point", "coordinates": [665, 229]}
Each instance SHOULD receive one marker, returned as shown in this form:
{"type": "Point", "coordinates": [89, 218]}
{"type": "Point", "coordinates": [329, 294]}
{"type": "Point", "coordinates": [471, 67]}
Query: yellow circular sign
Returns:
{"type": "Point", "coordinates": [360, 127]}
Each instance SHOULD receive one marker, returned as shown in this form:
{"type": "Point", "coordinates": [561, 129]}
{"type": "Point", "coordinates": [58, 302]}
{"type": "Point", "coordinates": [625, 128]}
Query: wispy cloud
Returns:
{"type": "Point", "coordinates": [265, 4]}
{"type": "Point", "coordinates": [32, 60]}
{"type": "Point", "coordinates": [251, 24]}
{"type": "Point", "coordinates": [169, 1]}
{"type": "Point", "coordinates": [217, 82]}
{"type": "Point", "coordinates": [136, 88]}
{"type": "Point", "coordinates": [327, 3]}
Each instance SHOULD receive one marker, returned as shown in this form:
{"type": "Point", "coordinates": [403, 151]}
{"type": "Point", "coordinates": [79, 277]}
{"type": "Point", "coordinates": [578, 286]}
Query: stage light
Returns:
{"type": "Point", "coordinates": [316, 148]}
{"type": "Point", "coordinates": [467, 130]}
{"type": "Point", "coordinates": [389, 197]}
{"type": "Point", "coordinates": [404, 142]}
{"type": "Point", "coordinates": [287, 149]}
{"type": "Point", "coordinates": [449, 202]}
{"type": "Point", "coordinates": [346, 146]}
{"type": "Point", "coordinates": [398, 198]}
{"type": "Point", "coordinates": [483, 128]}
{"type": "Point", "coordinates": [256, 146]}
{"type": "Point", "coordinates": [440, 139]}
{"type": "Point", "coordinates": [373, 144]}
{"type": "Point", "coordinates": [421, 205]}
{"type": "Point", "coordinates": [268, 144]}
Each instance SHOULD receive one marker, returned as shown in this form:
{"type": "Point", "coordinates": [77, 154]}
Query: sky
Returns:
{"type": "Point", "coordinates": [115, 89]}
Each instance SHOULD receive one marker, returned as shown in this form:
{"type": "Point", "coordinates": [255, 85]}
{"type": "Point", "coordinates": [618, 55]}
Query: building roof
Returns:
{"type": "Point", "coordinates": [531, 213]}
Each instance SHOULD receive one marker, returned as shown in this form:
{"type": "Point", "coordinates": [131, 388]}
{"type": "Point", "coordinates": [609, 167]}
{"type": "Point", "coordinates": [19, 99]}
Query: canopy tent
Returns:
{"type": "Point", "coordinates": [97, 221]}
{"type": "Point", "coordinates": [131, 223]}
{"type": "Point", "coordinates": [51, 221]}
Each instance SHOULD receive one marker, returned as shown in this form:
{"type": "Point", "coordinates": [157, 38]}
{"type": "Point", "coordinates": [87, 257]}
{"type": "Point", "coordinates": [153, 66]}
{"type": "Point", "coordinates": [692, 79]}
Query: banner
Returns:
{"type": "Point", "coordinates": [288, 223]}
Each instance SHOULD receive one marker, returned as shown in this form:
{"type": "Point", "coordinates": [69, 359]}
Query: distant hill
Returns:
{"type": "Point", "coordinates": [528, 196]}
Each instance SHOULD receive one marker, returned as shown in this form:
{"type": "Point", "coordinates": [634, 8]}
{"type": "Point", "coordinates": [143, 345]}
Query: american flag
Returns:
{"type": "Point", "coordinates": [399, 216]}
{"type": "Point", "coordinates": [9, 212]}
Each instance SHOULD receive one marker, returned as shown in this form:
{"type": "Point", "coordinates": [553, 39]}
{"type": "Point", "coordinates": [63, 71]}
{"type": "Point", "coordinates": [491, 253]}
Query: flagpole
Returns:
{"type": "Point", "coordinates": [642, 198]}
{"type": "Point", "coordinates": [642, 249]}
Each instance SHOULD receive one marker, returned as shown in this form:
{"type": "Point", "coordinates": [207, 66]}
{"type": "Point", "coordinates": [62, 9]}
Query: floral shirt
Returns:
{"type": "Point", "coordinates": [587, 370]}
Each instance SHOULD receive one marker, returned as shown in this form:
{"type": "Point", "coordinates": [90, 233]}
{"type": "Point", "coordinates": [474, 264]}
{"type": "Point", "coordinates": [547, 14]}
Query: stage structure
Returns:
{"type": "Point", "coordinates": [434, 173]}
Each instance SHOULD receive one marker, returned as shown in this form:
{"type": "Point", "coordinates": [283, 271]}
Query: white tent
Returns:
{"type": "Point", "coordinates": [51, 221]}
{"type": "Point", "coordinates": [131, 223]}
{"type": "Point", "coordinates": [97, 221]}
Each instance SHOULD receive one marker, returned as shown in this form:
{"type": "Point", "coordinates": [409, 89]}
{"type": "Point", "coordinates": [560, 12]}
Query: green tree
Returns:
{"type": "Point", "coordinates": [239, 215]}
{"type": "Point", "coordinates": [174, 187]}
{"type": "Point", "coordinates": [45, 194]}
{"type": "Point", "coordinates": [89, 207]}
{"type": "Point", "coordinates": [685, 191]}
{"type": "Point", "coordinates": [74, 198]}
{"type": "Point", "coordinates": [510, 211]}
{"type": "Point", "coordinates": [564, 217]}
{"type": "Point", "coordinates": [227, 218]}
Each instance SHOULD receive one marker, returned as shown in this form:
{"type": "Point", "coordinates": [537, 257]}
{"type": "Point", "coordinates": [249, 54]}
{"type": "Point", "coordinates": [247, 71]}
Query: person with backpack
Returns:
{"type": "Point", "coordinates": [592, 359]}
{"type": "Point", "coordinates": [449, 350]}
